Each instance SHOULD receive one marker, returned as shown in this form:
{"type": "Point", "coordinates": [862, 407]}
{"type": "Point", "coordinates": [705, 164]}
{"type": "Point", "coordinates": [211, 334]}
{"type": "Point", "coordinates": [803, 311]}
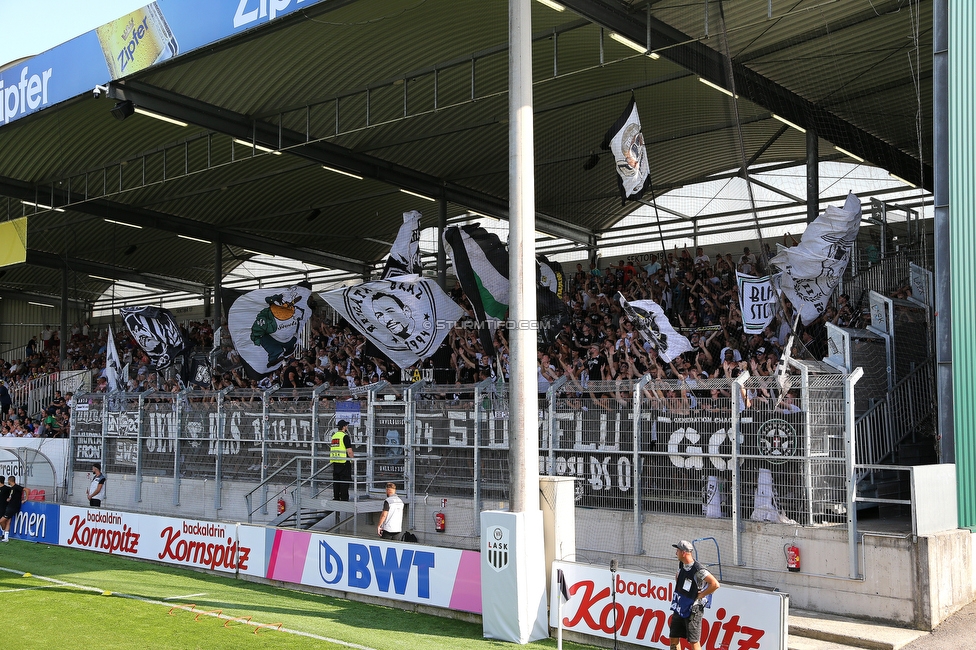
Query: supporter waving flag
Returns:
{"type": "Point", "coordinates": [626, 142]}
{"type": "Point", "coordinates": [113, 367]}
{"type": "Point", "coordinates": [649, 319]}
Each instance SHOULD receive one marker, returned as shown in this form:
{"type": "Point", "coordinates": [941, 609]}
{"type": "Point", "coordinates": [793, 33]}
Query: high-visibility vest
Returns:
{"type": "Point", "coordinates": [337, 449]}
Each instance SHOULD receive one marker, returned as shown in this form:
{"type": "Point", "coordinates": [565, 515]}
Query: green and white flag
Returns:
{"type": "Point", "coordinates": [481, 263]}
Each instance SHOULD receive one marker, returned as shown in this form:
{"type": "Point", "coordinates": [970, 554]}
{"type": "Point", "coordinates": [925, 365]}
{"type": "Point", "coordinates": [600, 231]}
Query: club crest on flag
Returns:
{"type": "Point", "coordinates": [406, 317]}
{"type": "Point", "coordinates": [652, 324]}
{"type": "Point", "coordinates": [626, 142]}
{"type": "Point", "coordinates": [497, 547]}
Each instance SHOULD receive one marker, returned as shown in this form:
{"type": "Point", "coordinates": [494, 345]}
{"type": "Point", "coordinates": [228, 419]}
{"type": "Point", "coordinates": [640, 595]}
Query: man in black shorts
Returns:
{"type": "Point", "coordinates": [11, 506]}
{"type": "Point", "coordinates": [692, 587]}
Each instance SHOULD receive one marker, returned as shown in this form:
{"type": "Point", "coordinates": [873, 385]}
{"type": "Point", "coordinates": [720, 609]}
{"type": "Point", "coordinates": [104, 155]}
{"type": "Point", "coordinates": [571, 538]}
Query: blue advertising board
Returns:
{"type": "Point", "coordinates": [37, 521]}
{"type": "Point", "coordinates": [139, 40]}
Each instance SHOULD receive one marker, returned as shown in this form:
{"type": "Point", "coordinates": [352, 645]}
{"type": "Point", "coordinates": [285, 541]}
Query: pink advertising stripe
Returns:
{"type": "Point", "coordinates": [288, 555]}
{"type": "Point", "coordinates": [467, 583]}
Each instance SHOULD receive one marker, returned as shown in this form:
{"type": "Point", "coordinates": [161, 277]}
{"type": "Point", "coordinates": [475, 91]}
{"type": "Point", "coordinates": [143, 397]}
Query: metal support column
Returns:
{"type": "Point", "coordinates": [140, 439]}
{"type": "Point", "coordinates": [63, 351]}
{"type": "Point", "coordinates": [411, 395]}
{"type": "Point", "coordinates": [441, 251]}
{"type": "Point", "coordinates": [850, 443]}
{"type": "Point", "coordinates": [636, 468]}
{"type": "Point", "coordinates": [218, 316]}
{"type": "Point", "coordinates": [738, 390]}
{"type": "Point", "coordinates": [220, 430]}
{"type": "Point", "coordinates": [813, 175]}
{"type": "Point", "coordinates": [942, 279]}
{"type": "Point", "coordinates": [524, 402]}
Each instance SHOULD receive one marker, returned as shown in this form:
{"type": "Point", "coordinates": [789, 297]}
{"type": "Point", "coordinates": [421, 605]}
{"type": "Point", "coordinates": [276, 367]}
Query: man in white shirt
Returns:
{"type": "Point", "coordinates": [391, 519]}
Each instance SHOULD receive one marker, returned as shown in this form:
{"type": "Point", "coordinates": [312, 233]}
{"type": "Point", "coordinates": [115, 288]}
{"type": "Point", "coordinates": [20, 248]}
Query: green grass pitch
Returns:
{"type": "Point", "coordinates": [63, 604]}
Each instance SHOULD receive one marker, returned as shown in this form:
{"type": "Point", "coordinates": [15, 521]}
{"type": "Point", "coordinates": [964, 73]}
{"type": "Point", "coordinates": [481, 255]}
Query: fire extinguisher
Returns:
{"type": "Point", "coordinates": [792, 557]}
{"type": "Point", "coordinates": [440, 518]}
{"type": "Point", "coordinates": [281, 506]}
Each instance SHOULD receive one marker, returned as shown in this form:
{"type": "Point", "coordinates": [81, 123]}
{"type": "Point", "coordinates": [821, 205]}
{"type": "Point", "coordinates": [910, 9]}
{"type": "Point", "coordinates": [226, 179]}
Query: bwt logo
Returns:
{"type": "Point", "coordinates": [385, 565]}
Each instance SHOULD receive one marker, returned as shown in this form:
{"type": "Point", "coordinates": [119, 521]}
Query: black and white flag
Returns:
{"type": "Point", "coordinates": [113, 366]}
{"type": "Point", "coordinates": [405, 254]}
{"type": "Point", "coordinates": [156, 332]}
{"type": "Point", "coordinates": [757, 301]}
{"type": "Point", "coordinates": [265, 325]}
{"type": "Point", "coordinates": [407, 317]}
{"type": "Point", "coordinates": [551, 312]}
{"type": "Point", "coordinates": [626, 142]}
{"type": "Point", "coordinates": [813, 268]}
{"type": "Point", "coordinates": [649, 319]}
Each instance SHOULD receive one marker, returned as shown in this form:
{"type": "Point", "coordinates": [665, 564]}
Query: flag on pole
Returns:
{"type": "Point", "coordinates": [649, 319]}
{"type": "Point", "coordinates": [757, 301]}
{"type": "Point", "coordinates": [626, 142]}
{"type": "Point", "coordinates": [156, 332]}
{"type": "Point", "coordinates": [406, 317]}
{"type": "Point", "coordinates": [265, 325]}
{"type": "Point", "coordinates": [551, 312]}
{"type": "Point", "coordinates": [813, 268]}
{"type": "Point", "coordinates": [113, 366]}
{"type": "Point", "coordinates": [481, 263]}
{"type": "Point", "coordinates": [405, 254]}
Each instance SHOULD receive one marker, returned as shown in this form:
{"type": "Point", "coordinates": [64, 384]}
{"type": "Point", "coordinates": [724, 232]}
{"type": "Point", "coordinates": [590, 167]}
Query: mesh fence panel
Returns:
{"type": "Point", "coordinates": [663, 453]}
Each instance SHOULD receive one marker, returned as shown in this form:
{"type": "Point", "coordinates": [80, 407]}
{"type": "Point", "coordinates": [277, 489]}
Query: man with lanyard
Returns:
{"type": "Point", "coordinates": [391, 519]}
{"type": "Point", "coordinates": [339, 454]}
{"type": "Point", "coordinates": [693, 587]}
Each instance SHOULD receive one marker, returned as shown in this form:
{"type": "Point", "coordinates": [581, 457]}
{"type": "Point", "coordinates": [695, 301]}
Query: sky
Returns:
{"type": "Point", "coordinates": [34, 26]}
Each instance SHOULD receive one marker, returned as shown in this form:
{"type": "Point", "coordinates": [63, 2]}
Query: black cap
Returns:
{"type": "Point", "coordinates": [342, 423]}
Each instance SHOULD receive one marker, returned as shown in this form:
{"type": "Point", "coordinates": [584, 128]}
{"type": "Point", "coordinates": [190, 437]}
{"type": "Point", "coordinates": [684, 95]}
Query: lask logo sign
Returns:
{"type": "Point", "coordinates": [497, 547]}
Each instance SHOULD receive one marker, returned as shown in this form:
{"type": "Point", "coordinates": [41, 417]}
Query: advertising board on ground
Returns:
{"type": "Point", "coordinates": [639, 610]}
{"type": "Point", "coordinates": [37, 521]}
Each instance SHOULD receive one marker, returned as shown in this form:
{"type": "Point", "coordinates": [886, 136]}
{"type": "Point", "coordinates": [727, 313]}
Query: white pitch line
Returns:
{"type": "Point", "coordinates": [10, 591]}
{"type": "Point", "coordinates": [203, 593]}
{"type": "Point", "coordinates": [213, 614]}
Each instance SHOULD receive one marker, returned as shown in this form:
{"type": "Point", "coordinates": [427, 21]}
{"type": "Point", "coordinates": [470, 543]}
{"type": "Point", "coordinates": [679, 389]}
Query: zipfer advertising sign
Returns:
{"type": "Point", "coordinates": [426, 575]}
{"type": "Point", "coordinates": [639, 611]}
{"type": "Point", "coordinates": [136, 41]}
{"type": "Point", "coordinates": [187, 542]}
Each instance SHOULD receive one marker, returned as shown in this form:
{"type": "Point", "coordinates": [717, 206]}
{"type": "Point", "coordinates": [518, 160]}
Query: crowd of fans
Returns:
{"type": "Point", "coordinates": [597, 344]}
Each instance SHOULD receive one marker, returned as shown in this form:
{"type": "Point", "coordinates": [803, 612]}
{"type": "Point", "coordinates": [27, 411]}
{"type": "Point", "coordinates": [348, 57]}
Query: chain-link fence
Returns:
{"type": "Point", "coordinates": [767, 449]}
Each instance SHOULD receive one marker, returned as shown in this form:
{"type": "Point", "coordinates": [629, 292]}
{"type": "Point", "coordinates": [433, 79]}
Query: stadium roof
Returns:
{"type": "Point", "coordinates": [307, 136]}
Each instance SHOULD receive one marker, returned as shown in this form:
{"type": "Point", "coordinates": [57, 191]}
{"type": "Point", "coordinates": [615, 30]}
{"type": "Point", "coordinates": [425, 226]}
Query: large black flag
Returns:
{"type": "Point", "coordinates": [156, 332]}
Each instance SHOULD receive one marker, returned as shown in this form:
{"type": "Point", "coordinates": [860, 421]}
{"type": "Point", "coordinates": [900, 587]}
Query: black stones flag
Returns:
{"type": "Point", "coordinates": [407, 317]}
{"type": "Point", "coordinates": [156, 332]}
{"type": "Point", "coordinates": [551, 312]}
{"type": "Point", "coordinates": [649, 319]}
{"type": "Point", "coordinates": [265, 325]}
{"type": "Point", "coordinates": [626, 142]}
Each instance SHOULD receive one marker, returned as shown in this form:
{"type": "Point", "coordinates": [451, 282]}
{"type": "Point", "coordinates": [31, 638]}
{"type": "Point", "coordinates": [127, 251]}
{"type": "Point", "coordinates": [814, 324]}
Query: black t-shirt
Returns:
{"type": "Point", "coordinates": [16, 498]}
{"type": "Point", "coordinates": [4, 495]}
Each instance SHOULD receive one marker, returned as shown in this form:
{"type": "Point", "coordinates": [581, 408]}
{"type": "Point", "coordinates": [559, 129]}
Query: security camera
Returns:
{"type": "Point", "coordinates": [99, 90]}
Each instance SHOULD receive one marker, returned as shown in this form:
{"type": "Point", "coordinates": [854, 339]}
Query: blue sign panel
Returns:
{"type": "Point", "coordinates": [139, 40]}
{"type": "Point", "coordinates": [37, 521]}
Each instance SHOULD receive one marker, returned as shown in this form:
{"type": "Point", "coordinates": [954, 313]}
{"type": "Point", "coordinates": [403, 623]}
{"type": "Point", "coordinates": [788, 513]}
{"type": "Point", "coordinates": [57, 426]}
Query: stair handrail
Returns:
{"type": "Point", "coordinates": [267, 481]}
{"type": "Point", "coordinates": [919, 380]}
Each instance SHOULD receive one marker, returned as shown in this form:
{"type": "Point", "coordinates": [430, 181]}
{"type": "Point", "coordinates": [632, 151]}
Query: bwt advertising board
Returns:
{"type": "Point", "coordinates": [739, 619]}
{"type": "Point", "coordinates": [187, 542]}
{"type": "Point", "coordinates": [426, 575]}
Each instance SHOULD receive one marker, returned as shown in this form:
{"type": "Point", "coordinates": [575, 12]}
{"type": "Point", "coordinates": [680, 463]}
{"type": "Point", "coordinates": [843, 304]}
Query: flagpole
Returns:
{"type": "Point", "coordinates": [524, 395]}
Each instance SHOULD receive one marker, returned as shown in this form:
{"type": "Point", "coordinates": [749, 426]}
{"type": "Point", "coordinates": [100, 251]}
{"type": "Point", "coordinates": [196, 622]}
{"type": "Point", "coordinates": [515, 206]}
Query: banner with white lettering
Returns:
{"type": "Point", "coordinates": [37, 521]}
{"type": "Point", "coordinates": [639, 610]}
{"type": "Point", "coordinates": [187, 542]}
{"type": "Point", "coordinates": [757, 301]}
{"type": "Point", "coordinates": [425, 575]}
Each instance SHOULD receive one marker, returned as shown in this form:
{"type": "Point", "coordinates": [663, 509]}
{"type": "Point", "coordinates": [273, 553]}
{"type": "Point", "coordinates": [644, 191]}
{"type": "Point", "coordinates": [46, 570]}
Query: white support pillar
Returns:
{"type": "Point", "coordinates": [513, 575]}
